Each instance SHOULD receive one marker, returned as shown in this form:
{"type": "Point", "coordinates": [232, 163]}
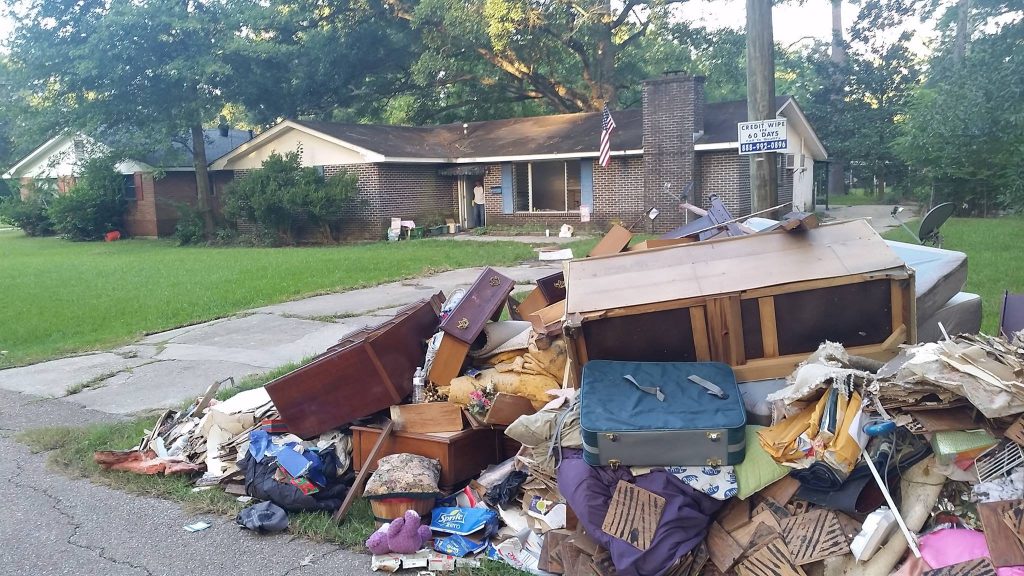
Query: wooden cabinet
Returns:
{"type": "Point", "coordinates": [368, 371]}
{"type": "Point", "coordinates": [759, 303]}
{"type": "Point", "coordinates": [463, 455]}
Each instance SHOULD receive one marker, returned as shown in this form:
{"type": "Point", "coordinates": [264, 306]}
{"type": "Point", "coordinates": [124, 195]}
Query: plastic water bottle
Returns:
{"type": "Point", "coordinates": [418, 392]}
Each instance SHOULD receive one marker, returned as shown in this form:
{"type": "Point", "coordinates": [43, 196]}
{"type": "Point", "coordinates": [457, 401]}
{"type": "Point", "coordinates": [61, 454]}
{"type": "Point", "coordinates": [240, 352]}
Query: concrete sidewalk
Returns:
{"type": "Point", "coordinates": [163, 370]}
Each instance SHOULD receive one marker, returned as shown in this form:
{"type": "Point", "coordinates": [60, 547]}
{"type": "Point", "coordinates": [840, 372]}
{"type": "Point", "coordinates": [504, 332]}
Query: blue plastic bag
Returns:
{"type": "Point", "coordinates": [463, 521]}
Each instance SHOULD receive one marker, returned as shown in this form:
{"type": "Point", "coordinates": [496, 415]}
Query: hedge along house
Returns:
{"type": "Point", "coordinates": [543, 169]}
{"type": "Point", "coordinates": [154, 185]}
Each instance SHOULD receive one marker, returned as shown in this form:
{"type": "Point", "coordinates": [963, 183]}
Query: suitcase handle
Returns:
{"type": "Point", "coordinates": [647, 389]}
{"type": "Point", "coordinates": [712, 389]}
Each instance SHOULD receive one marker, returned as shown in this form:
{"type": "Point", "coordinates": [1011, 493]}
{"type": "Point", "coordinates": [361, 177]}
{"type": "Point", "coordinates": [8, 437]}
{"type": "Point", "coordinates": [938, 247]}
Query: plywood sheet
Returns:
{"type": "Point", "coordinates": [724, 551]}
{"type": "Point", "coordinates": [743, 534]}
{"type": "Point", "coordinates": [428, 417]}
{"type": "Point", "coordinates": [613, 242]}
{"type": "Point", "coordinates": [781, 491]}
{"type": "Point", "coordinates": [1003, 545]}
{"type": "Point", "coordinates": [708, 268]}
{"type": "Point", "coordinates": [814, 536]}
{"type": "Point", "coordinates": [976, 567]}
{"type": "Point", "coordinates": [772, 559]}
{"type": "Point", "coordinates": [633, 515]}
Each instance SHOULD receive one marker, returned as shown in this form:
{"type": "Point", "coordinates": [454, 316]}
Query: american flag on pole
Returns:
{"type": "Point", "coordinates": [607, 125]}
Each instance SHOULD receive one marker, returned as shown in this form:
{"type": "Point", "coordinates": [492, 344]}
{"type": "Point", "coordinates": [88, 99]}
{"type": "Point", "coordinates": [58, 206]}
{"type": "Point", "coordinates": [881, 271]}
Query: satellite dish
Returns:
{"type": "Point", "coordinates": [928, 233]}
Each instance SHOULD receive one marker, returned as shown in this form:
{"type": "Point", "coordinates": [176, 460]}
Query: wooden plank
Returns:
{"type": "Point", "coordinates": [364, 475]}
{"type": "Point", "coordinates": [448, 363]}
{"type": "Point", "coordinates": [724, 551]}
{"type": "Point", "coordinates": [771, 559]}
{"type": "Point", "coordinates": [427, 417]}
{"type": "Point", "coordinates": [896, 304]}
{"type": "Point", "coordinates": [614, 241]}
{"type": "Point", "coordinates": [769, 330]}
{"type": "Point", "coordinates": [976, 567]}
{"type": "Point", "coordinates": [506, 408]}
{"type": "Point", "coordinates": [777, 510]}
{"type": "Point", "coordinates": [633, 515]}
{"type": "Point", "coordinates": [814, 536]}
{"type": "Point", "coordinates": [782, 490]}
{"type": "Point", "coordinates": [735, 514]}
{"type": "Point", "coordinates": [548, 319]}
{"type": "Point", "coordinates": [1016, 431]}
{"type": "Point", "coordinates": [660, 243]}
{"type": "Point", "coordinates": [534, 301]}
{"type": "Point", "coordinates": [725, 330]}
{"type": "Point", "coordinates": [743, 534]}
{"type": "Point", "coordinates": [699, 324]}
{"type": "Point", "coordinates": [550, 561]}
{"type": "Point", "coordinates": [1014, 519]}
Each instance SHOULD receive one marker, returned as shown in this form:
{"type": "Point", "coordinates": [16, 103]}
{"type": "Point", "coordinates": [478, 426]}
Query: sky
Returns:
{"type": "Point", "coordinates": [791, 22]}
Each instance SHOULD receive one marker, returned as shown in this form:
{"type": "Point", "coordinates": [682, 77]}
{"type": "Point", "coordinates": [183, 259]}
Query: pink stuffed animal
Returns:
{"type": "Point", "coordinates": [404, 535]}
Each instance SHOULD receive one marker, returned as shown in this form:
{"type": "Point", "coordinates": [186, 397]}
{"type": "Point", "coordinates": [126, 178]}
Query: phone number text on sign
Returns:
{"type": "Point", "coordinates": [763, 146]}
{"type": "Point", "coordinates": [762, 136]}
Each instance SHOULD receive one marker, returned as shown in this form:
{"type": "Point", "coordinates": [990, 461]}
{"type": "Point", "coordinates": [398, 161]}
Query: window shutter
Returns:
{"type": "Point", "coordinates": [587, 183]}
{"type": "Point", "coordinates": [507, 198]}
{"type": "Point", "coordinates": [138, 185]}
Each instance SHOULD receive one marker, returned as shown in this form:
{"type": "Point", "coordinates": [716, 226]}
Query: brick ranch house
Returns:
{"type": "Point", "coordinates": [543, 169]}
{"type": "Point", "coordinates": [152, 200]}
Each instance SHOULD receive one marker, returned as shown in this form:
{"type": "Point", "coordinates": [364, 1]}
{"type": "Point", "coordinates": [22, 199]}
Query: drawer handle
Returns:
{"type": "Point", "coordinates": [560, 284]}
{"type": "Point", "coordinates": [463, 323]}
{"type": "Point", "coordinates": [495, 281]}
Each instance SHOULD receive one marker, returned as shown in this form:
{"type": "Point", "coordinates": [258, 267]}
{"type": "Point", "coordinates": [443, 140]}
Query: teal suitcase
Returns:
{"type": "Point", "coordinates": [659, 415]}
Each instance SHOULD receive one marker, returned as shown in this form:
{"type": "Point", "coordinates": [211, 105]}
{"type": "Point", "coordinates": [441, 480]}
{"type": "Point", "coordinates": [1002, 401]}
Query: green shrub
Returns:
{"type": "Point", "coordinates": [30, 214]}
{"type": "Point", "coordinates": [190, 226]}
{"type": "Point", "coordinates": [94, 205]}
{"type": "Point", "coordinates": [275, 197]}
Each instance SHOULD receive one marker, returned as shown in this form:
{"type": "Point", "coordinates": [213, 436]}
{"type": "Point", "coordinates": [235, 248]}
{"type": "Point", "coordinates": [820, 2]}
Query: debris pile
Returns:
{"type": "Point", "coordinates": [733, 398]}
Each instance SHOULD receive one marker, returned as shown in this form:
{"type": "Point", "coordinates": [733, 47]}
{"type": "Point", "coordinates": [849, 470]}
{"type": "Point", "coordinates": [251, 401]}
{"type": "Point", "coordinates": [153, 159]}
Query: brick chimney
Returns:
{"type": "Point", "coordinates": [673, 110]}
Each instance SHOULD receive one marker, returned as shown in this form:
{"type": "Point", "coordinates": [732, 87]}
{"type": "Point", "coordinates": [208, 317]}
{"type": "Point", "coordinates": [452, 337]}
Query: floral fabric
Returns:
{"type": "Point", "coordinates": [404, 474]}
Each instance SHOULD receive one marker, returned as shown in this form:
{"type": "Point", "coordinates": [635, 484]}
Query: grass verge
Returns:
{"type": "Point", "coordinates": [65, 297]}
{"type": "Point", "coordinates": [994, 258]}
{"type": "Point", "coordinates": [70, 452]}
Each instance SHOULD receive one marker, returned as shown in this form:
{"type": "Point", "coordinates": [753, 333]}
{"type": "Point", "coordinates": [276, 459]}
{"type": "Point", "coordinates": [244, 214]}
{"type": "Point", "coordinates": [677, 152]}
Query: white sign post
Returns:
{"type": "Point", "coordinates": [762, 136]}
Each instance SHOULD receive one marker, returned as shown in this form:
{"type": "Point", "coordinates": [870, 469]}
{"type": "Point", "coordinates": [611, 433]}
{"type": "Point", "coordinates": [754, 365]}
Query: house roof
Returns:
{"type": "Point", "coordinates": [178, 157]}
{"type": "Point", "coordinates": [561, 135]}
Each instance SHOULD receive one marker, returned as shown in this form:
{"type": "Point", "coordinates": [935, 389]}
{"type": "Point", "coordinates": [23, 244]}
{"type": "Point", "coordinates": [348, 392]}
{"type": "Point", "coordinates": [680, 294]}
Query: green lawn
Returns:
{"type": "Point", "coordinates": [856, 197]}
{"type": "Point", "coordinates": [995, 258]}
{"type": "Point", "coordinates": [62, 297]}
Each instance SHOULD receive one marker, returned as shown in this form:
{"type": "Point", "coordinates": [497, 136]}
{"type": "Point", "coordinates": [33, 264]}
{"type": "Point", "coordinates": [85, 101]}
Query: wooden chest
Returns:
{"type": "Point", "coordinates": [463, 455]}
{"type": "Point", "coordinates": [367, 371]}
{"type": "Point", "coordinates": [482, 302]}
{"type": "Point", "coordinates": [759, 303]}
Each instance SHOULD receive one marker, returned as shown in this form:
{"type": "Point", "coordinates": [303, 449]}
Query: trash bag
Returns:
{"type": "Point", "coordinates": [506, 490]}
{"type": "Point", "coordinates": [263, 517]}
{"type": "Point", "coordinates": [260, 484]}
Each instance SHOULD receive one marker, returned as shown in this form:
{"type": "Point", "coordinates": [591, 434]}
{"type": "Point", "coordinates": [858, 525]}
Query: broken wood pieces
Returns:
{"type": "Point", "coordinates": [771, 558]}
{"type": "Point", "coordinates": [1004, 546]}
{"type": "Point", "coordinates": [633, 515]}
{"type": "Point", "coordinates": [722, 548]}
{"type": "Point", "coordinates": [428, 417]}
{"type": "Point", "coordinates": [814, 536]}
{"type": "Point", "coordinates": [976, 567]}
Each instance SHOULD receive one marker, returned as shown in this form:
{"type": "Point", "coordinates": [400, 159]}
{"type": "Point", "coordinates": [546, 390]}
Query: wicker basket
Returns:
{"type": "Point", "coordinates": [388, 507]}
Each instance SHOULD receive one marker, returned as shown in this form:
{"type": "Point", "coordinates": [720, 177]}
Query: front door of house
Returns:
{"type": "Point", "coordinates": [465, 200]}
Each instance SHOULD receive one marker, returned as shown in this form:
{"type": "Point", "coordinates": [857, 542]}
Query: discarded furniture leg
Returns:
{"type": "Point", "coordinates": [362, 477]}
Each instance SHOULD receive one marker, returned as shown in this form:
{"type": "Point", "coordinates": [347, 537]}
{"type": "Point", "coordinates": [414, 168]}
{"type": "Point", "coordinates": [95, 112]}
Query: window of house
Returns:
{"type": "Point", "coordinates": [129, 186]}
{"type": "Point", "coordinates": [547, 186]}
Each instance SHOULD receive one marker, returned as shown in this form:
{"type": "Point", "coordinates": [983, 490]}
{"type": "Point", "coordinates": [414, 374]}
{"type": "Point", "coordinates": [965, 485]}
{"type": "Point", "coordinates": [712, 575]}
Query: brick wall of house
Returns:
{"type": "Point", "coordinates": [140, 218]}
{"type": "Point", "coordinates": [173, 189]}
{"type": "Point", "coordinates": [670, 118]}
{"type": "Point", "coordinates": [416, 192]}
{"type": "Point", "coordinates": [363, 218]}
{"type": "Point", "coordinates": [726, 174]}
{"type": "Point", "coordinates": [618, 191]}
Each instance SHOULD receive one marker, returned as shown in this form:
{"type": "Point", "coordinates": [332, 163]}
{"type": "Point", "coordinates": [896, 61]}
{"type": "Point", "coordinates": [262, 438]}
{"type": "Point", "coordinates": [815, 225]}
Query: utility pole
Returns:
{"type": "Point", "coordinates": [764, 191]}
{"type": "Point", "coordinates": [837, 166]}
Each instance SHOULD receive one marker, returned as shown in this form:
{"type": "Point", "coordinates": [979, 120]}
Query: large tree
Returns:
{"type": "Point", "coordinates": [344, 60]}
{"type": "Point", "coordinates": [135, 73]}
{"type": "Point", "coordinates": [564, 54]}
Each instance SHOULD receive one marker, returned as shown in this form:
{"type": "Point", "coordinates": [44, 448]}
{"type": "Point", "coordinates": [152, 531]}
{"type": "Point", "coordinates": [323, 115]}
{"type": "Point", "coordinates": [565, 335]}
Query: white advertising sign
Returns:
{"type": "Point", "coordinates": [762, 136]}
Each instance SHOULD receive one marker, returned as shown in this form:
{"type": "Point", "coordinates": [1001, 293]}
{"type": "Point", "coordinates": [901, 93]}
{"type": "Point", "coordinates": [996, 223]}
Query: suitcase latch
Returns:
{"type": "Point", "coordinates": [714, 462]}
{"type": "Point", "coordinates": [714, 436]}
{"type": "Point", "coordinates": [612, 437]}
{"type": "Point", "coordinates": [614, 464]}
